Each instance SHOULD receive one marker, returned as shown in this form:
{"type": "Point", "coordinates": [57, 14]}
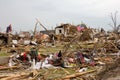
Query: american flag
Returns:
{"type": "Point", "coordinates": [9, 29]}
{"type": "Point", "coordinates": [79, 28]}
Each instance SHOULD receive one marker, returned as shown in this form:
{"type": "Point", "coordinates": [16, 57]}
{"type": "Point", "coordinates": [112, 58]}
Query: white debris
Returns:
{"type": "Point", "coordinates": [33, 64]}
{"type": "Point", "coordinates": [83, 69]}
{"type": "Point", "coordinates": [101, 63]}
{"type": "Point", "coordinates": [33, 42]}
{"type": "Point", "coordinates": [38, 65]}
{"type": "Point", "coordinates": [87, 60]}
{"type": "Point", "coordinates": [26, 42]}
{"type": "Point", "coordinates": [11, 63]}
{"type": "Point", "coordinates": [14, 41]}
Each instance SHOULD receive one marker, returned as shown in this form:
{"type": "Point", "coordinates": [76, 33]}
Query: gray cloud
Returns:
{"type": "Point", "coordinates": [22, 13]}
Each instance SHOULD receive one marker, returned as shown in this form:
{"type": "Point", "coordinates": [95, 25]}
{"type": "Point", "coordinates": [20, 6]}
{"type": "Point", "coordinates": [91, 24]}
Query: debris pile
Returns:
{"type": "Point", "coordinates": [83, 54]}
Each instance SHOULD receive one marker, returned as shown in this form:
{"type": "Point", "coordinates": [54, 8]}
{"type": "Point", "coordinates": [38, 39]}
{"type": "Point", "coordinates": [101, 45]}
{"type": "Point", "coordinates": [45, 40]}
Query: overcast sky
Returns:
{"type": "Point", "coordinates": [22, 13]}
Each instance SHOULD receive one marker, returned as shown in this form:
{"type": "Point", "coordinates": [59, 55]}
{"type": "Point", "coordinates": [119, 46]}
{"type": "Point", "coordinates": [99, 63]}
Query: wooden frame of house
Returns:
{"type": "Point", "coordinates": [64, 29]}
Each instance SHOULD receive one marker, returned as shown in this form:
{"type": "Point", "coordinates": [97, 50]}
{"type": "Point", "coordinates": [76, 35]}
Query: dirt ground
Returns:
{"type": "Point", "coordinates": [112, 74]}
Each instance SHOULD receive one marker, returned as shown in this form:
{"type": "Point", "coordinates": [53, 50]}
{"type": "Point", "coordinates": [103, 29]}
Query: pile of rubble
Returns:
{"type": "Point", "coordinates": [76, 64]}
{"type": "Point", "coordinates": [85, 57]}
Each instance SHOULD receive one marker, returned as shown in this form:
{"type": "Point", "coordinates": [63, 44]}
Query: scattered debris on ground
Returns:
{"type": "Point", "coordinates": [83, 54]}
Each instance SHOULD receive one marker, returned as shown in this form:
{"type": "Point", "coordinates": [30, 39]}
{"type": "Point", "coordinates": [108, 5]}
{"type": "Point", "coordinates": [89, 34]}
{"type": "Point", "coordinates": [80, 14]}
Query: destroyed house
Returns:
{"type": "Point", "coordinates": [65, 29]}
{"type": "Point", "coordinates": [24, 34]}
{"type": "Point", "coordinates": [3, 39]}
{"type": "Point", "coordinates": [47, 32]}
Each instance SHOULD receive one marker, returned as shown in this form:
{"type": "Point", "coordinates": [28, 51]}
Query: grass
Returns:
{"type": "Point", "coordinates": [59, 47]}
{"type": "Point", "coordinates": [2, 53]}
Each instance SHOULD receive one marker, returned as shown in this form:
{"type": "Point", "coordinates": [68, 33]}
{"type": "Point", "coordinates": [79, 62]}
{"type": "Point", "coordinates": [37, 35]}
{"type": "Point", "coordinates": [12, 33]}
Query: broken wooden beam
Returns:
{"type": "Point", "coordinates": [14, 77]}
{"type": "Point", "coordinates": [13, 67]}
{"type": "Point", "coordinates": [78, 74]}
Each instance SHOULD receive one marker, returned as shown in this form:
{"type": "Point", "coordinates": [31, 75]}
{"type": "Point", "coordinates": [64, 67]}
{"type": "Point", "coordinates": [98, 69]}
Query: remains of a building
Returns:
{"type": "Point", "coordinates": [5, 39]}
{"type": "Point", "coordinates": [83, 54]}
